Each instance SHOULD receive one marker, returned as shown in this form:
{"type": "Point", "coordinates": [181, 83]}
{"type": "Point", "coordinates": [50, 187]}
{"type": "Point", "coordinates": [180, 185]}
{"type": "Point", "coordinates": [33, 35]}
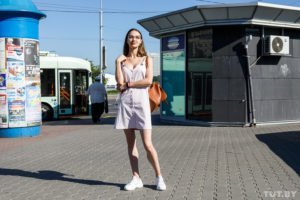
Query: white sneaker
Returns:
{"type": "Point", "coordinates": [134, 183]}
{"type": "Point", "coordinates": [160, 184]}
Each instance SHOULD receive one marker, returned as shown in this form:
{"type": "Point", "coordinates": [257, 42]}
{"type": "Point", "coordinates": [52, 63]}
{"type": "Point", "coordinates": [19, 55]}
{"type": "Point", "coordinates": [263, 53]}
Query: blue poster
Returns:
{"type": "Point", "coordinates": [2, 81]}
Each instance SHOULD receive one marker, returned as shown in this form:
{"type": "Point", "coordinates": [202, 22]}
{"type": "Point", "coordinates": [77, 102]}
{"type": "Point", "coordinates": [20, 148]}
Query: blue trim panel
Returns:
{"type": "Point", "coordinates": [20, 6]}
{"type": "Point", "coordinates": [20, 132]}
{"type": "Point", "coordinates": [19, 27]}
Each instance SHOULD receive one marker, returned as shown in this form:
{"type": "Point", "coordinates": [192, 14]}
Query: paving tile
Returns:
{"type": "Point", "coordinates": [76, 160]}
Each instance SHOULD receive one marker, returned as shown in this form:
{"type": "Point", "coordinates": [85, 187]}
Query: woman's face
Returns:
{"type": "Point", "coordinates": [134, 39]}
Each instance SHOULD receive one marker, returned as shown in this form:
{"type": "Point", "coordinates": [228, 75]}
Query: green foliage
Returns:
{"type": "Point", "coordinates": [105, 81]}
{"type": "Point", "coordinates": [95, 70]}
{"type": "Point", "coordinates": [109, 92]}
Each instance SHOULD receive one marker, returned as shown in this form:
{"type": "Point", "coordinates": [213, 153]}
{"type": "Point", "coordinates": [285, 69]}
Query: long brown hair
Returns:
{"type": "Point", "coordinates": [141, 49]}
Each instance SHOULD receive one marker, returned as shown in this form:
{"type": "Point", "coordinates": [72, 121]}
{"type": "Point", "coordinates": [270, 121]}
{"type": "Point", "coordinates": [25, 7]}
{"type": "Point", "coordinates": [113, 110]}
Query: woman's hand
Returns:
{"type": "Point", "coordinates": [121, 59]}
{"type": "Point", "coordinates": [122, 87]}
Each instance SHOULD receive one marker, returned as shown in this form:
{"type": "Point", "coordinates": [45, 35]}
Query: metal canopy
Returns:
{"type": "Point", "coordinates": [257, 13]}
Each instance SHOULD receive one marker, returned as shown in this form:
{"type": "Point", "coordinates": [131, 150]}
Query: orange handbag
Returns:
{"type": "Point", "coordinates": [156, 94]}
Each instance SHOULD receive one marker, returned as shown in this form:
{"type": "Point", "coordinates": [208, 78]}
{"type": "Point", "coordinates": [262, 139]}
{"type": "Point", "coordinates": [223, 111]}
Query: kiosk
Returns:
{"type": "Point", "coordinates": [235, 64]}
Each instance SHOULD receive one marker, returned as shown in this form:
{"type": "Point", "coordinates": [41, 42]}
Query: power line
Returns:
{"type": "Point", "coordinates": [62, 38]}
{"type": "Point", "coordinates": [80, 39]}
{"type": "Point", "coordinates": [107, 12]}
{"type": "Point", "coordinates": [134, 12]}
{"type": "Point", "coordinates": [64, 6]}
{"type": "Point", "coordinates": [207, 1]}
{"type": "Point", "coordinates": [70, 11]}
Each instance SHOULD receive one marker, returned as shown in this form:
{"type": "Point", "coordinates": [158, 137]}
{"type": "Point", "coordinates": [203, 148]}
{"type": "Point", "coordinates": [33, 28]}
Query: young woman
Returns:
{"type": "Point", "coordinates": [134, 74]}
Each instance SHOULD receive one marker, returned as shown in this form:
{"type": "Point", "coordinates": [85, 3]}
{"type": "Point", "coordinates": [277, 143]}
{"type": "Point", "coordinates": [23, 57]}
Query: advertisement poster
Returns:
{"type": "Point", "coordinates": [15, 74]}
{"type": "Point", "coordinates": [2, 81]}
{"type": "Point", "coordinates": [20, 97]}
{"type": "Point", "coordinates": [14, 49]}
{"type": "Point", "coordinates": [3, 109]}
{"type": "Point", "coordinates": [2, 54]}
{"type": "Point", "coordinates": [16, 113]}
{"type": "Point", "coordinates": [33, 105]}
{"type": "Point", "coordinates": [31, 52]}
{"type": "Point", "coordinates": [16, 93]}
{"type": "Point", "coordinates": [32, 73]}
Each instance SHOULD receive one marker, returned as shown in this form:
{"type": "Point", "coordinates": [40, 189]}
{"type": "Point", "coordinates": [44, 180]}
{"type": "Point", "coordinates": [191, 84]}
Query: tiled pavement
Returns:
{"type": "Point", "coordinates": [75, 160]}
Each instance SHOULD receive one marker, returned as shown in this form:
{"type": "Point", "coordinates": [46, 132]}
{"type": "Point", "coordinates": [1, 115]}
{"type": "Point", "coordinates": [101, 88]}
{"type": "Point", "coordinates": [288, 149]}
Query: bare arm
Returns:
{"type": "Point", "coordinates": [119, 74]}
{"type": "Point", "coordinates": [147, 81]}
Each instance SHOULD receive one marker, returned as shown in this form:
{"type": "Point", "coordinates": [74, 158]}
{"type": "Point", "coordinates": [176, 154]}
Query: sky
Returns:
{"type": "Point", "coordinates": [72, 27]}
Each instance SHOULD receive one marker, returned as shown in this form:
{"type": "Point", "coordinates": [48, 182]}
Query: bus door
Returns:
{"type": "Point", "coordinates": [65, 92]}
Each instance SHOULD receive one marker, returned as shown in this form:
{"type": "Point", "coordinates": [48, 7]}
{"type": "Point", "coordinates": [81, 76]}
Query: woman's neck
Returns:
{"type": "Point", "coordinates": [132, 53]}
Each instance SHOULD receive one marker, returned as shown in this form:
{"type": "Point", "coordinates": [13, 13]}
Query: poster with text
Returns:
{"type": "Point", "coordinates": [16, 113]}
{"type": "Point", "coordinates": [14, 49]}
{"type": "Point", "coordinates": [33, 105]}
{"type": "Point", "coordinates": [31, 52]}
{"type": "Point", "coordinates": [3, 109]}
{"type": "Point", "coordinates": [32, 73]}
{"type": "Point", "coordinates": [2, 55]}
{"type": "Point", "coordinates": [17, 93]}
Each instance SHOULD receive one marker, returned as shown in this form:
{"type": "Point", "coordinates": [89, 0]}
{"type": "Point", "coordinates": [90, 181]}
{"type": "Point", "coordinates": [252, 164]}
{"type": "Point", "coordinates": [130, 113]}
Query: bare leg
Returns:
{"type": "Point", "coordinates": [151, 152]}
{"type": "Point", "coordinates": [132, 151]}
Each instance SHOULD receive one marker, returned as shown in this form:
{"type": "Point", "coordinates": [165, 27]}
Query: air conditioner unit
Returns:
{"type": "Point", "coordinates": [276, 45]}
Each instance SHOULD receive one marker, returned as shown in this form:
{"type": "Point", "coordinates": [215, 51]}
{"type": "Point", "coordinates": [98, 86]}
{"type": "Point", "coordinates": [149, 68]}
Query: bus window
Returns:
{"type": "Point", "coordinates": [81, 84]}
{"type": "Point", "coordinates": [65, 90]}
{"type": "Point", "coordinates": [48, 82]}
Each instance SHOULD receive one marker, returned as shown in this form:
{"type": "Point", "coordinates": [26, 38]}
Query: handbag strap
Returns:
{"type": "Point", "coordinates": [146, 61]}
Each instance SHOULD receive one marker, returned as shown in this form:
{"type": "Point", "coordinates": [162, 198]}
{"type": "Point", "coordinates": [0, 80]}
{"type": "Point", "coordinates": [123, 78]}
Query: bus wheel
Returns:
{"type": "Point", "coordinates": [47, 112]}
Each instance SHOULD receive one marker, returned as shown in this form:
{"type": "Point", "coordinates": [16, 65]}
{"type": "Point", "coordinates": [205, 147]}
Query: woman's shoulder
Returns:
{"type": "Point", "coordinates": [149, 58]}
{"type": "Point", "coordinates": [120, 58]}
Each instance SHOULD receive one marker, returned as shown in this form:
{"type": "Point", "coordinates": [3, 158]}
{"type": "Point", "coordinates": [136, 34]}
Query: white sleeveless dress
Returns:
{"type": "Point", "coordinates": [133, 106]}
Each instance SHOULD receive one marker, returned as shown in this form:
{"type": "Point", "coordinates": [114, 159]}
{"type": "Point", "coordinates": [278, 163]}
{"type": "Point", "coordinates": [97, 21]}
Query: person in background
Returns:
{"type": "Point", "coordinates": [134, 75]}
{"type": "Point", "coordinates": [98, 96]}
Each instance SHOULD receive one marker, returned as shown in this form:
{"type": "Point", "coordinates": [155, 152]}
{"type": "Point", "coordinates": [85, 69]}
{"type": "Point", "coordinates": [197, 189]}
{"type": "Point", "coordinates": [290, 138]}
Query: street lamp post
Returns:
{"type": "Point", "coordinates": [100, 48]}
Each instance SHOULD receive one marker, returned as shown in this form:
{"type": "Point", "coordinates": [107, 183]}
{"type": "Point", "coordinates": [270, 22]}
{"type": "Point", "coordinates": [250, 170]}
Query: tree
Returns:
{"type": "Point", "coordinates": [95, 72]}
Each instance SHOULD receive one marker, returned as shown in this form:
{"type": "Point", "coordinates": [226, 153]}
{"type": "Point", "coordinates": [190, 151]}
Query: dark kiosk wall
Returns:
{"type": "Point", "coordinates": [276, 82]}
{"type": "Point", "coordinates": [229, 83]}
{"type": "Point", "coordinates": [275, 79]}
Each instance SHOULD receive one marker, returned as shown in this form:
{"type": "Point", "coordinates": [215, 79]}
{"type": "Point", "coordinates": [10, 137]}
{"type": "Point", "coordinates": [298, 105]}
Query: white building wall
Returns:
{"type": "Point", "coordinates": [111, 82]}
{"type": "Point", "coordinates": [156, 63]}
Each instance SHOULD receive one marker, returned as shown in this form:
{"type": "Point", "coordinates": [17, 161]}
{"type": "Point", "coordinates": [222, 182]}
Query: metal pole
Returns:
{"type": "Point", "coordinates": [100, 48]}
{"type": "Point", "coordinates": [249, 79]}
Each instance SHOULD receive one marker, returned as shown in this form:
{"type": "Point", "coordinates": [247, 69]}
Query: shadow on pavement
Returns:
{"type": "Point", "coordinates": [286, 145]}
{"type": "Point", "coordinates": [53, 175]}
